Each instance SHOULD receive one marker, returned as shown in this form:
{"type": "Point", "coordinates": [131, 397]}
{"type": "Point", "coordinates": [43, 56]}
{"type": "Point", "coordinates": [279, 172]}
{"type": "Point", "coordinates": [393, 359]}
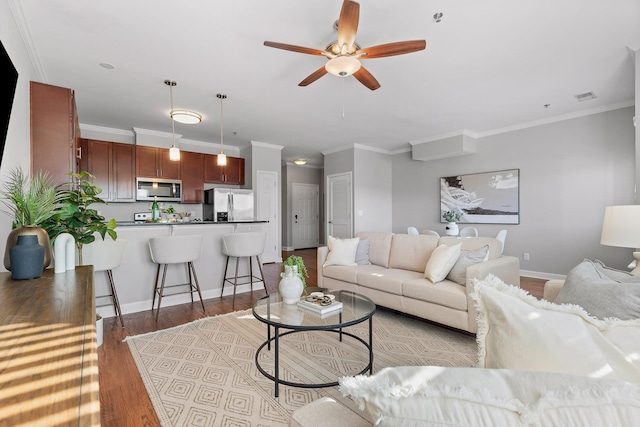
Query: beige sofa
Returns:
{"type": "Point", "coordinates": [396, 276]}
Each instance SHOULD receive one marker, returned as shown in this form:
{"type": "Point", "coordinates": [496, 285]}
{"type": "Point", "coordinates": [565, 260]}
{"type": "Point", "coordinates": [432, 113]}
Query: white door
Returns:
{"type": "Point", "coordinates": [339, 205]}
{"type": "Point", "coordinates": [267, 210]}
{"type": "Point", "coordinates": [305, 201]}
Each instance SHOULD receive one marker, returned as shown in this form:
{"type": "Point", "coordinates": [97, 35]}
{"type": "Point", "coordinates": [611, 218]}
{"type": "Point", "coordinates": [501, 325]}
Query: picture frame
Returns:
{"type": "Point", "coordinates": [482, 198]}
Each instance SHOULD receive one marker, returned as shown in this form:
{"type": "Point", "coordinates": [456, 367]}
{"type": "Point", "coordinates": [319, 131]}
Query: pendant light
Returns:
{"type": "Point", "coordinates": [222, 158]}
{"type": "Point", "coordinates": [174, 151]}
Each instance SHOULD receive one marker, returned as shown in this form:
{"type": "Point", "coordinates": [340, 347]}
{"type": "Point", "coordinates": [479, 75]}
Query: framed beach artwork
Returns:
{"type": "Point", "coordinates": [482, 198]}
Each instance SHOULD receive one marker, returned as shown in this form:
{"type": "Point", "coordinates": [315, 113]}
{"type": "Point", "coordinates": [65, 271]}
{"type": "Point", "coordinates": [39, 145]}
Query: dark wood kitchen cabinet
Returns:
{"type": "Point", "coordinates": [153, 162]}
{"type": "Point", "coordinates": [113, 165]}
{"type": "Point", "coordinates": [55, 131]}
{"type": "Point", "coordinates": [192, 173]}
{"type": "Point", "coordinates": [232, 173]}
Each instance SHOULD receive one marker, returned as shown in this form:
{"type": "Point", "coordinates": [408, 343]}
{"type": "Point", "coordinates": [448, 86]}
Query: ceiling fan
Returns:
{"type": "Point", "coordinates": [345, 54]}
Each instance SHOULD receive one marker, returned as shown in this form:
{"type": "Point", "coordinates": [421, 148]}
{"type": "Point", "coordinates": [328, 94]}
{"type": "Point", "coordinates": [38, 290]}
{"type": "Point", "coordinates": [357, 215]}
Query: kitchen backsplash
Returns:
{"type": "Point", "coordinates": [125, 211]}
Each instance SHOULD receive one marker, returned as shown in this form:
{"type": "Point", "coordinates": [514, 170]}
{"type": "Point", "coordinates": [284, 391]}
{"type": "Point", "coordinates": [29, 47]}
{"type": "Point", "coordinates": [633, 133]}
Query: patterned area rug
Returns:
{"type": "Point", "coordinates": [204, 373]}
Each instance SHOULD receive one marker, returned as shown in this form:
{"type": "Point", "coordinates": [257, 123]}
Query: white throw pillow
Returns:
{"type": "Point", "coordinates": [341, 251]}
{"type": "Point", "coordinates": [442, 259]}
{"type": "Point", "coordinates": [455, 397]}
{"type": "Point", "coordinates": [458, 273]}
{"type": "Point", "coordinates": [518, 331]}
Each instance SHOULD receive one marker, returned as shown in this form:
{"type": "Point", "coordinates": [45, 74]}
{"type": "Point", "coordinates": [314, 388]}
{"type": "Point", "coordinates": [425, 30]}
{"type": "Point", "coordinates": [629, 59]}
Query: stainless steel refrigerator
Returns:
{"type": "Point", "coordinates": [228, 204]}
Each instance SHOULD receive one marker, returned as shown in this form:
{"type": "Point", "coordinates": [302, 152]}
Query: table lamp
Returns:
{"type": "Point", "coordinates": [621, 227]}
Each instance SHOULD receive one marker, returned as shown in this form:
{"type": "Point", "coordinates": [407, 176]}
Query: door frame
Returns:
{"type": "Point", "coordinates": [327, 218]}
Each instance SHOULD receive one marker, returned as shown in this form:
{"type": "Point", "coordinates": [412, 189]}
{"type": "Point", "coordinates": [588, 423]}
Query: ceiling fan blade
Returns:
{"type": "Point", "coordinates": [392, 49]}
{"type": "Point", "coordinates": [366, 78]}
{"type": "Point", "coordinates": [348, 24]}
{"type": "Point", "coordinates": [313, 76]}
{"type": "Point", "coordinates": [294, 48]}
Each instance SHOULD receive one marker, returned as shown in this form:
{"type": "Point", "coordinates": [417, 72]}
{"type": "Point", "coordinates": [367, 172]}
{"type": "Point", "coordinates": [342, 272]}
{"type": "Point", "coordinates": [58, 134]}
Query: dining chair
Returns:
{"type": "Point", "coordinates": [468, 232]}
{"type": "Point", "coordinates": [412, 230]}
{"type": "Point", "coordinates": [430, 232]}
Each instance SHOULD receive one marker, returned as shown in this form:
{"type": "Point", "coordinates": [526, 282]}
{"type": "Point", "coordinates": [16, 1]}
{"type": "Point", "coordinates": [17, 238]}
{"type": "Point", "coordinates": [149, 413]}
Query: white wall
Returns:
{"type": "Point", "coordinates": [569, 171]}
{"type": "Point", "coordinates": [372, 190]}
{"type": "Point", "coordinates": [17, 147]}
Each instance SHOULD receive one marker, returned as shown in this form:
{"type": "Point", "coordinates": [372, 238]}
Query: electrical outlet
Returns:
{"type": "Point", "coordinates": [525, 256]}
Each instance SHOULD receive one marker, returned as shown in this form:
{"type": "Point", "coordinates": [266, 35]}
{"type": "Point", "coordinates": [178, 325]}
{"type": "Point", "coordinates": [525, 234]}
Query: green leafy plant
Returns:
{"type": "Point", "coordinates": [295, 260]}
{"type": "Point", "coordinates": [452, 216]}
{"type": "Point", "coordinates": [76, 217]}
{"type": "Point", "coordinates": [29, 201]}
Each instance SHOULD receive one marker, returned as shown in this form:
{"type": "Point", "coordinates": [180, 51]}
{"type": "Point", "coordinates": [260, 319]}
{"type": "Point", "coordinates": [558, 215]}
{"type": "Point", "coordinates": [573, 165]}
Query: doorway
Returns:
{"type": "Point", "coordinates": [306, 215]}
{"type": "Point", "coordinates": [339, 205]}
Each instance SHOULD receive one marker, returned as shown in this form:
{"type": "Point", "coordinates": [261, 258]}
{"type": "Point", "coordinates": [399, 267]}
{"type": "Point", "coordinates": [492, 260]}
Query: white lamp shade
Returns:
{"type": "Point", "coordinates": [222, 159]}
{"type": "Point", "coordinates": [342, 66]}
{"type": "Point", "coordinates": [621, 226]}
{"type": "Point", "coordinates": [174, 153]}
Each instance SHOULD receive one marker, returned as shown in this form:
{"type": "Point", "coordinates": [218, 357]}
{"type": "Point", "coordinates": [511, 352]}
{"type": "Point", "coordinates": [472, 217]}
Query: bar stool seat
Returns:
{"type": "Point", "coordinates": [106, 255]}
{"type": "Point", "coordinates": [175, 250]}
{"type": "Point", "coordinates": [243, 245]}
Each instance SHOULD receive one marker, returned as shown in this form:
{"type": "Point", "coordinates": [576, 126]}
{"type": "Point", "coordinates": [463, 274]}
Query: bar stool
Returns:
{"type": "Point", "coordinates": [175, 250]}
{"type": "Point", "coordinates": [105, 255]}
{"type": "Point", "coordinates": [243, 245]}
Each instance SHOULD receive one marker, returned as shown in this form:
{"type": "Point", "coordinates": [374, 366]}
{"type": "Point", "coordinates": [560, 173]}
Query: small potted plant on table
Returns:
{"type": "Point", "coordinates": [451, 217]}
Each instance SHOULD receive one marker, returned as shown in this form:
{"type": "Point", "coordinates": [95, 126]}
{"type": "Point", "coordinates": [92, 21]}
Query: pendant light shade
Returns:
{"type": "Point", "coordinates": [222, 158]}
{"type": "Point", "coordinates": [174, 151]}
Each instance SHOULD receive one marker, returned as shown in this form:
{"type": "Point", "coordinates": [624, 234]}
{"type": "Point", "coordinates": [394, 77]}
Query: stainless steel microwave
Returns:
{"type": "Point", "coordinates": [164, 190]}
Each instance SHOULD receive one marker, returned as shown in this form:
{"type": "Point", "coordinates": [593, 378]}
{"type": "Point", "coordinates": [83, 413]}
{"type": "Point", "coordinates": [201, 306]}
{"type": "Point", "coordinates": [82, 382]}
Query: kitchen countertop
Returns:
{"type": "Point", "coordinates": [130, 223]}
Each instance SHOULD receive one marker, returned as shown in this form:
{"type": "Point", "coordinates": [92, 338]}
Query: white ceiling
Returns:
{"type": "Point", "coordinates": [488, 65]}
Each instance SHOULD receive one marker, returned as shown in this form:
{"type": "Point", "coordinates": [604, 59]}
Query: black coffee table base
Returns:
{"type": "Point", "coordinates": [276, 338]}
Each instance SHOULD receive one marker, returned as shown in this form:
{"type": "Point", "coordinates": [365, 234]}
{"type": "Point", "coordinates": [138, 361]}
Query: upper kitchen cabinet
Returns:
{"type": "Point", "coordinates": [192, 173]}
{"type": "Point", "coordinates": [152, 162]}
{"type": "Point", "coordinates": [232, 173]}
{"type": "Point", "coordinates": [55, 131]}
{"type": "Point", "coordinates": [113, 165]}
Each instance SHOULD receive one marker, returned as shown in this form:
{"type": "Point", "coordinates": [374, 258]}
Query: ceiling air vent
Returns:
{"type": "Point", "coordinates": [585, 96]}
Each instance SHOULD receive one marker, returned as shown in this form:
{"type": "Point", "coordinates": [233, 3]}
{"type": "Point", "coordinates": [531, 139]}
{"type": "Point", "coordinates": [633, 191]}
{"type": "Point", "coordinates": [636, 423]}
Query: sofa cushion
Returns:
{"type": "Point", "coordinates": [341, 251]}
{"type": "Point", "coordinates": [345, 273]}
{"type": "Point", "coordinates": [602, 291]}
{"type": "Point", "coordinates": [437, 396]}
{"type": "Point", "coordinates": [362, 253]}
{"type": "Point", "coordinates": [475, 243]}
{"type": "Point", "coordinates": [458, 272]}
{"type": "Point", "coordinates": [385, 279]}
{"type": "Point", "coordinates": [410, 252]}
{"type": "Point", "coordinates": [442, 259]}
{"type": "Point", "coordinates": [518, 331]}
{"type": "Point", "coordinates": [445, 293]}
{"type": "Point", "coordinates": [380, 247]}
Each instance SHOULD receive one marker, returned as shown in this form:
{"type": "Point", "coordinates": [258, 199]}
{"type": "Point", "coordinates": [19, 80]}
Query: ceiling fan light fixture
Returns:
{"type": "Point", "coordinates": [300, 162]}
{"type": "Point", "coordinates": [342, 66]}
{"type": "Point", "coordinates": [186, 117]}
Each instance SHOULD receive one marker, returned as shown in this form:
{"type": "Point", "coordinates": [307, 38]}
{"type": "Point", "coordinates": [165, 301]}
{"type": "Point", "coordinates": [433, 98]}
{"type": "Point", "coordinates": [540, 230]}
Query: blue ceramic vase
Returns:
{"type": "Point", "coordinates": [27, 258]}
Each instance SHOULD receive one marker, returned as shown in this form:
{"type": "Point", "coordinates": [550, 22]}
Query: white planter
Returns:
{"type": "Point", "coordinates": [290, 286]}
{"type": "Point", "coordinates": [451, 229]}
{"type": "Point", "coordinates": [99, 331]}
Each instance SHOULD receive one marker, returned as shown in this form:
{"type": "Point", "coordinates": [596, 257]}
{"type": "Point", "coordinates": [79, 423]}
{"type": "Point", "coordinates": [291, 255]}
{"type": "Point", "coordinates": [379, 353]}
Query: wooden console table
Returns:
{"type": "Point", "coordinates": [48, 352]}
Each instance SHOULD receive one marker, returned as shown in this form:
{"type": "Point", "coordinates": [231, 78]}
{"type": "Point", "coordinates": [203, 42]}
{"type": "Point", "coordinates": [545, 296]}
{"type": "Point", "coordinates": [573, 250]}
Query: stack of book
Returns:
{"type": "Point", "coordinates": [316, 307]}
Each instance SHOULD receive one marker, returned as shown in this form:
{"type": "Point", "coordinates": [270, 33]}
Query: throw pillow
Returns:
{"type": "Point", "coordinates": [362, 252]}
{"type": "Point", "coordinates": [438, 396]}
{"type": "Point", "coordinates": [458, 273]}
{"type": "Point", "coordinates": [341, 251]}
{"type": "Point", "coordinates": [441, 261]}
{"type": "Point", "coordinates": [602, 291]}
{"type": "Point", "coordinates": [518, 331]}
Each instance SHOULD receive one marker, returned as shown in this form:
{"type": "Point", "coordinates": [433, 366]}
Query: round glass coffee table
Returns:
{"type": "Point", "coordinates": [271, 310]}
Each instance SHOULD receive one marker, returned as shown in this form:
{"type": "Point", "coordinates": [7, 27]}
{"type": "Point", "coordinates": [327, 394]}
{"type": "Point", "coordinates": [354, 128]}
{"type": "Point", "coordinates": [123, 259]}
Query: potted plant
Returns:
{"type": "Point", "coordinates": [76, 217]}
{"type": "Point", "coordinates": [451, 217]}
{"type": "Point", "coordinates": [293, 281]}
{"type": "Point", "coordinates": [29, 202]}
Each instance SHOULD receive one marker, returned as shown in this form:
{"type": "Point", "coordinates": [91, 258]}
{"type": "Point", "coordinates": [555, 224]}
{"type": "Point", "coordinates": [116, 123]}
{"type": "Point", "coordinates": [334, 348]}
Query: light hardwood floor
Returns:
{"type": "Point", "coordinates": [123, 399]}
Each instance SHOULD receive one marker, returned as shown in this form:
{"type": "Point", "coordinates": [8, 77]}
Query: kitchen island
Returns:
{"type": "Point", "coordinates": [135, 277]}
